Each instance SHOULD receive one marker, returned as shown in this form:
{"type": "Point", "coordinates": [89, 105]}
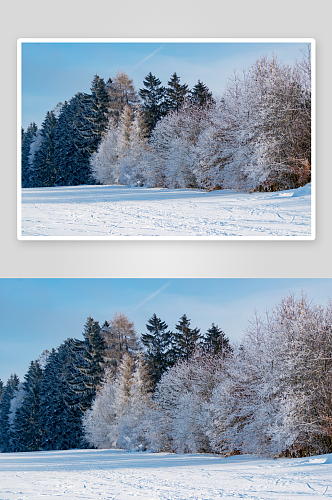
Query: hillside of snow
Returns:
{"type": "Point", "coordinates": [118, 475]}
{"type": "Point", "coordinates": [119, 211]}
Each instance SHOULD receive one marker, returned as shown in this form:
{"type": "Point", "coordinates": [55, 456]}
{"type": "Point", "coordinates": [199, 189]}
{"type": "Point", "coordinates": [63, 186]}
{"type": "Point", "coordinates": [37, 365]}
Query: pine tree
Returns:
{"type": "Point", "coordinates": [34, 147]}
{"type": "Point", "coordinates": [153, 100]}
{"type": "Point", "coordinates": [15, 404]}
{"type": "Point", "coordinates": [27, 138]}
{"type": "Point", "coordinates": [175, 93]}
{"type": "Point", "coordinates": [92, 116]}
{"type": "Point", "coordinates": [185, 340]}
{"type": "Point", "coordinates": [216, 342]}
{"type": "Point", "coordinates": [71, 152]}
{"type": "Point", "coordinates": [200, 95]}
{"type": "Point", "coordinates": [61, 422]}
{"type": "Point", "coordinates": [44, 173]}
{"type": "Point", "coordinates": [100, 101]}
{"type": "Point", "coordinates": [132, 433]}
{"type": "Point", "coordinates": [157, 343]}
{"type": "Point", "coordinates": [87, 370]}
{"type": "Point", "coordinates": [6, 397]}
{"type": "Point", "coordinates": [27, 433]}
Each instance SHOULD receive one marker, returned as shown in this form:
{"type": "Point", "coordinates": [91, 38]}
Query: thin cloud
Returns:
{"type": "Point", "coordinates": [147, 57]}
{"type": "Point", "coordinates": [151, 296]}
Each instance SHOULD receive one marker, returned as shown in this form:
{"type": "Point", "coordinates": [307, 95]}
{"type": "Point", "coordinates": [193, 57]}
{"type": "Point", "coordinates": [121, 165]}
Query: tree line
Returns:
{"type": "Point", "coordinates": [181, 391]}
{"type": "Point", "coordinates": [256, 136]}
{"type": "Point", "coordinates": [46, 410]}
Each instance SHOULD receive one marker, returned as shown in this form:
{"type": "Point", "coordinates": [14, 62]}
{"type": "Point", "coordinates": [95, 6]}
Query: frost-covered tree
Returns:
{"type": "Point", "coordinates": [105, 161]}
{"type": "Point", "coordinates": [132, 137]}
{"type": "Point", "coordinates": [121, 92]}
{"type": "Point", "coordinates": [133, 425]}
{"type": "Point", "coordinates": [120, 338]}
{"type": "Point", "coordinates": [34, 147]}
{"type": "Point", "coordinates": [101, 417]}
{"type": "Point", "coordinates": [179, 417]}
{"type": "Point", "coordinates": [15, 404]}
{"type": "Point", "coordinates": [173, 143]}
{"type": "Point", "coordinates": [116, 418]}
{"type": "Point", "coordinates": [264, 107]}
{"type": "Point", "coordinates": [275, 396]}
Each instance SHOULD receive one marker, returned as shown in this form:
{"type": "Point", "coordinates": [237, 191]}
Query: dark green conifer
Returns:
{"type": "Point", "coordinates": [153, 100]}
{"type": "Point", "coordinates": [6, 397]}
{"type": "Point", "coordinates": [27, 138]}
{"type": "Point", "coordinates": [44, 173]}
{"type": "Point", "coordinates": [157, 343]}
{"type": "Point", "coordinates": [200, 95]}
{"type": "Point", "coordinates": [87, 369]}
{"type": "Point", "coordinates": [27, 433]}
{"type": "Point", "coordinates": [175, 93]}
{"type": "Point", "coordinates": [216, 342]}
{"type": "Point", "coordinates": [185, 341]}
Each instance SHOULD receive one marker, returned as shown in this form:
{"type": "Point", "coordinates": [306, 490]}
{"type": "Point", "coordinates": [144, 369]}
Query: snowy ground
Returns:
{"type": "Point", "coordinates": [119, 211]}
{"type": "Point", "coordinates": [117, 475]}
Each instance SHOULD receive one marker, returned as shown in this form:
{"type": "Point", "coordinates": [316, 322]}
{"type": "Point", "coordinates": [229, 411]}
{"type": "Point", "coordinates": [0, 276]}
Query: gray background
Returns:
{"type": "Point", "coordinates": [160, 18]}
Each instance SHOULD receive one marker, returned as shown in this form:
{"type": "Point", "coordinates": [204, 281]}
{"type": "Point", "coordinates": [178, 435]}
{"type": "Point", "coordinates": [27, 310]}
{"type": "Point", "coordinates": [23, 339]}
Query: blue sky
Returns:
{"type": "Point", "coordinates": [38, 314]}
{"type": "Point", "coordinates": [55, 72]}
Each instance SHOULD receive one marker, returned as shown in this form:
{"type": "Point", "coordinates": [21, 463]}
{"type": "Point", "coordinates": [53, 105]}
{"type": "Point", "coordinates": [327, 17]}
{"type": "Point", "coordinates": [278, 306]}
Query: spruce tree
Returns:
{"type": "Point", "coordinates": [216, 342]}
{"type": "Point", "coordinates": [87, 369]}
{"type": "Point", "coordinates": [100, 101]}
{"type": "Point", "coordinates": [157, 343]}
{"type": "Point", "coordinates": [200, 95]}
{"type": "Point", "coordinates": [71, 154]}
{"type": "Point", "coordinates": [61, 422]}
{"type": "Point", "coordinates": [153, 100]}
{"type": "Point", "coordinates": [27, 433]}
{"type": "Point", "coordinates": [185, 340]}
{"type": "Point", "coordinates": [175, 93]}
{"type": "Point", "coordinates": [6, 397]}
{"type": "Point", "coordinates": [44, 173]}
{"type": "Point", "coordinates": [92, 116]}
{"type": "Point", "coordinates": [27, 138]}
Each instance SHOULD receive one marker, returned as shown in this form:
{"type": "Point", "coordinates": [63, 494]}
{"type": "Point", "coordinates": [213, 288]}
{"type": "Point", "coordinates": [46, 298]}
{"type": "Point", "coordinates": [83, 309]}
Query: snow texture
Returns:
{"type": "Point", "coordinates": [119, 211]}
{"type": "Point", "coordinates": [117, 475]}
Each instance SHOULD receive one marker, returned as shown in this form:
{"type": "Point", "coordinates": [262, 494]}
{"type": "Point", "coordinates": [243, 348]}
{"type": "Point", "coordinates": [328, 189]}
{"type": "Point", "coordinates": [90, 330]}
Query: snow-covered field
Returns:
{"type": "Point", "coordinates": [119, 211]}
{"type": "Point", "coordinates": [117, 475]}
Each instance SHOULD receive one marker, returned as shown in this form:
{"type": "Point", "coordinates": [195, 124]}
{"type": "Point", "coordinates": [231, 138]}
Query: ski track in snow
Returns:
{"type": "Point", "coordinates": [117, 475]}
{"type": "Point", "coordinates": [117, 211]}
